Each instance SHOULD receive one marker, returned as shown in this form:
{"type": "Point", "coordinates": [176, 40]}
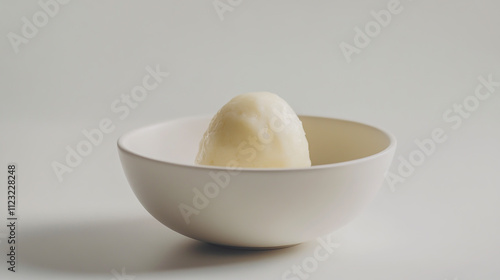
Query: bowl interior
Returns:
{"type": "Point", "coordinates": [335, 140]}
{"type": "Point", "coordinates": [330, 140]}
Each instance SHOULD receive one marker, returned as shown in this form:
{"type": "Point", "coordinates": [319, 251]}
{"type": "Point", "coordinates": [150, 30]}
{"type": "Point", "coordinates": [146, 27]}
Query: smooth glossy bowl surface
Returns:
{"type": "Point", "coordinates": [256, 208]}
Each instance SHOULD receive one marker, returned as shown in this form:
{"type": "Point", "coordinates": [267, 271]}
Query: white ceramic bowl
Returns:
{"type": "Point", "coordinates": [257, 208]}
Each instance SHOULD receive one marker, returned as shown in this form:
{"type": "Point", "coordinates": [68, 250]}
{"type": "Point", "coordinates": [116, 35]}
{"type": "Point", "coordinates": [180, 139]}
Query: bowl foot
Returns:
{"type": "Point", "coordinates": [248, 248]}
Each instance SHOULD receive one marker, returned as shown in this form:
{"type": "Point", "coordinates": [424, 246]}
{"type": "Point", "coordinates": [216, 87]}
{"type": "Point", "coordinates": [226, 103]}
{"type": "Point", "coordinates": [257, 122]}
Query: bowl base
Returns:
{"type": "Point", "coordinates": [252, 248]}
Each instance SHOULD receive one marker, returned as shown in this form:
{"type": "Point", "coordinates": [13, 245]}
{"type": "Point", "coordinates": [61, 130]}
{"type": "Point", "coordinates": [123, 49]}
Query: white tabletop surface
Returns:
{"type": "Point", "coordinates": [65, 66]}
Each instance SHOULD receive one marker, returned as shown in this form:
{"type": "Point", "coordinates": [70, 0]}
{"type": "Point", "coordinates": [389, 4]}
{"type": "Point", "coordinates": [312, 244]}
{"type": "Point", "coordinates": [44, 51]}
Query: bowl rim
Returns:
{"type": "Point", "coordinates": [391, 147]}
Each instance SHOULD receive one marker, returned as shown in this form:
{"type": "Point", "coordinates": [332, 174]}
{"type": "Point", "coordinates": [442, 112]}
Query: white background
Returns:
{"type": "Point", "coordinates": [442, 222]}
